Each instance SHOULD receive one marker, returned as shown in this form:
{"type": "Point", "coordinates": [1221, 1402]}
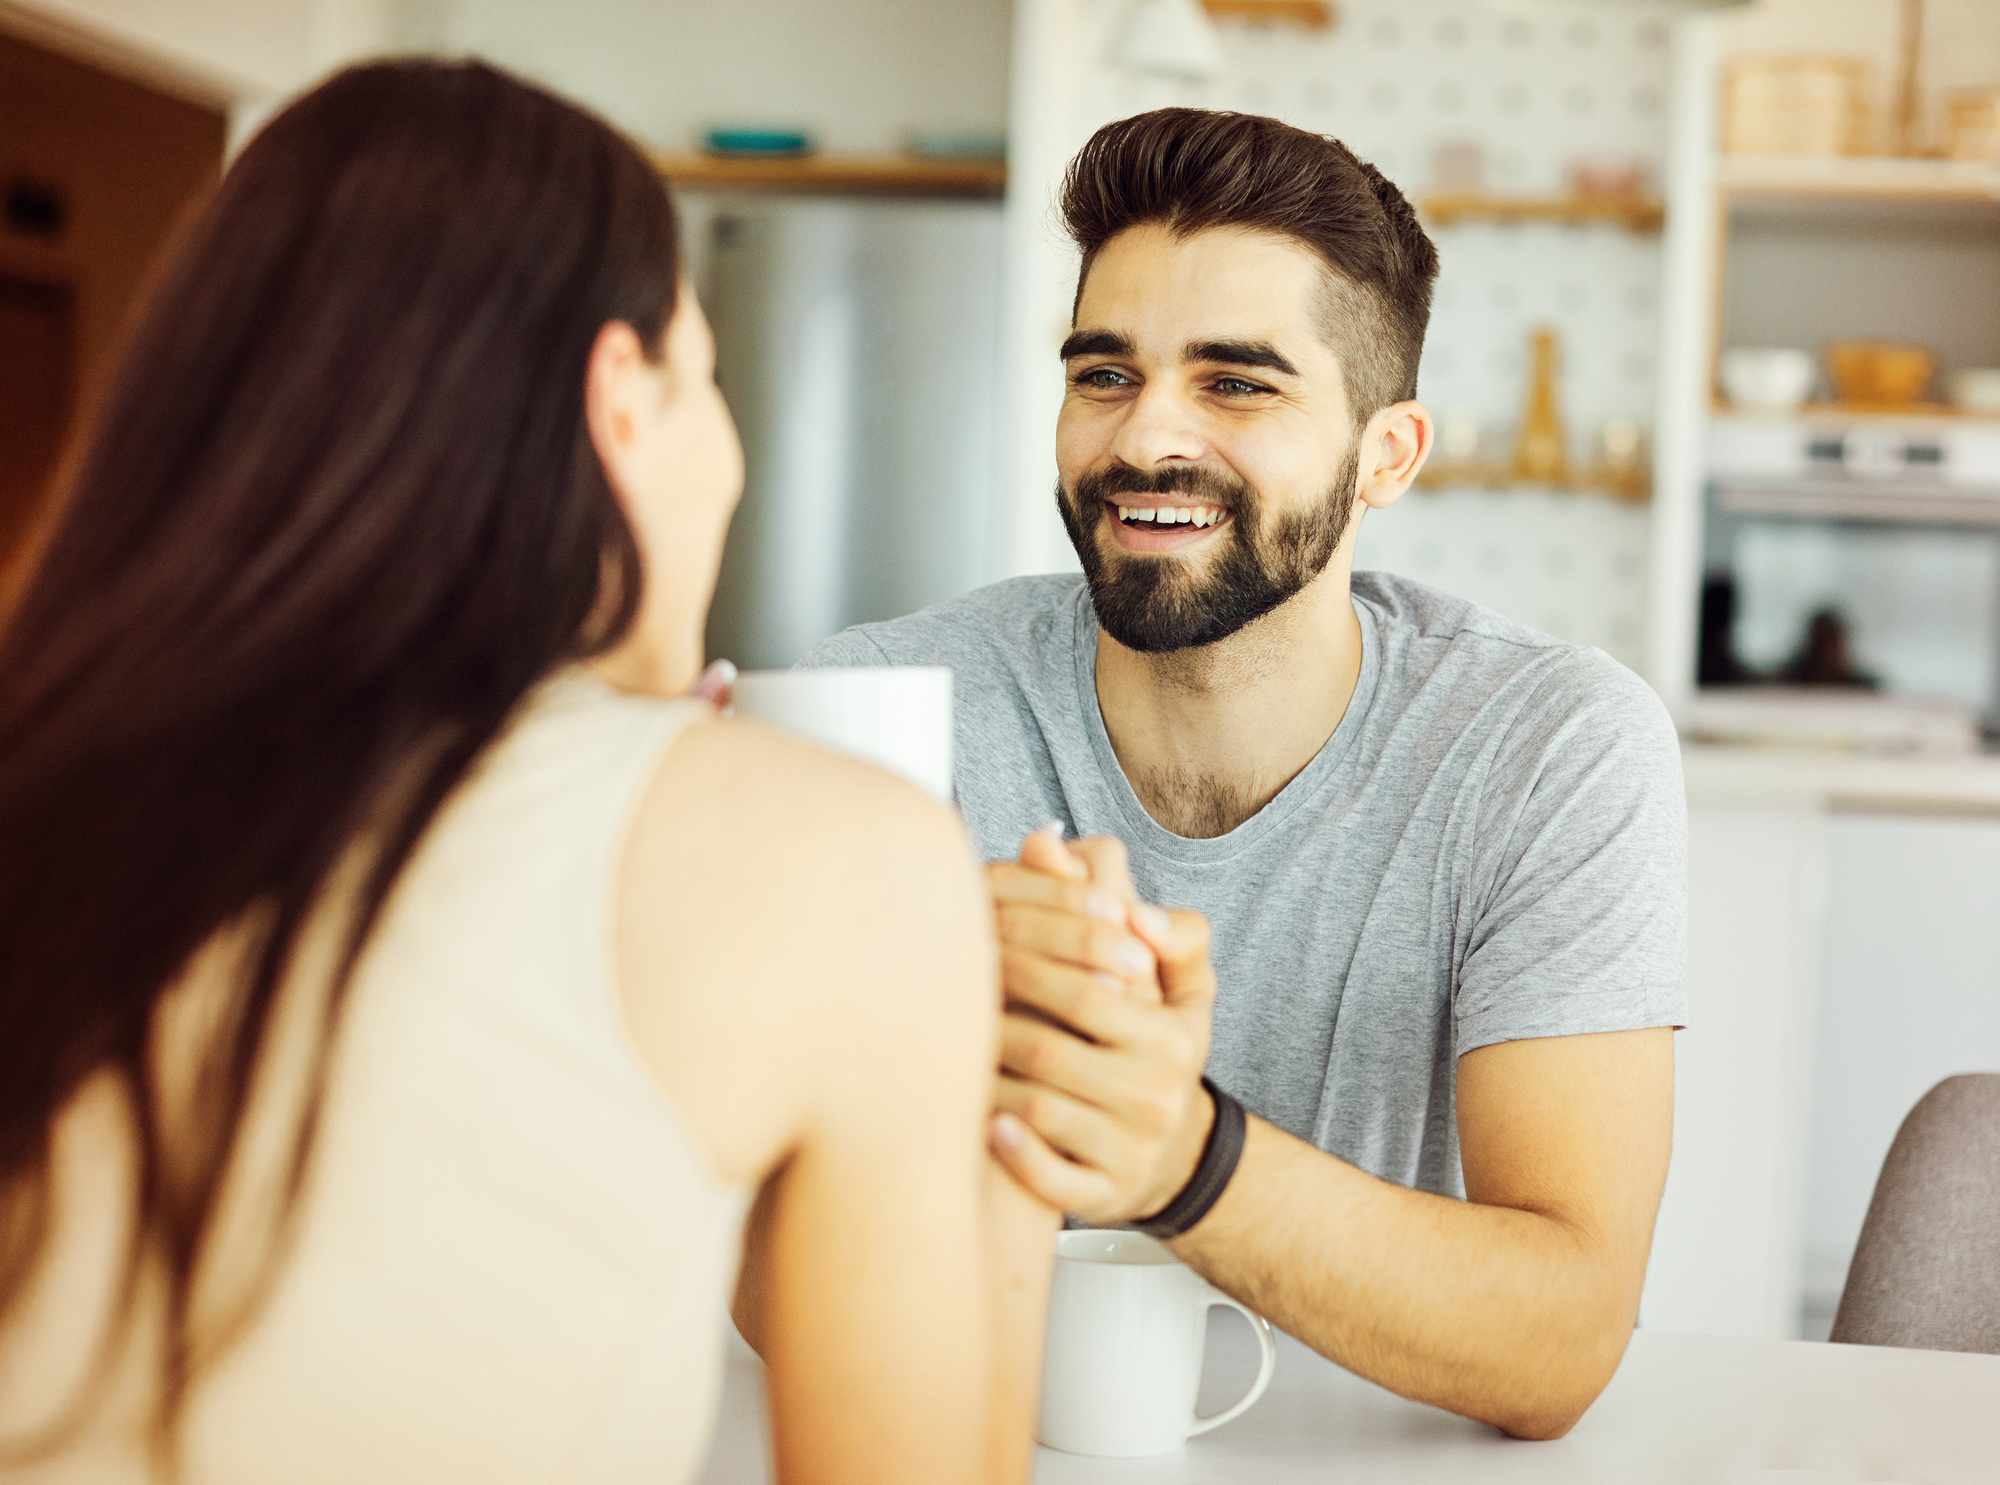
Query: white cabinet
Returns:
{"type": "Point", "coordinates": [1843, 956]}
{"type": "Point", "coordinates": [1726, 1258]}
{"type": "Point", "coordinates": [1909, 993]}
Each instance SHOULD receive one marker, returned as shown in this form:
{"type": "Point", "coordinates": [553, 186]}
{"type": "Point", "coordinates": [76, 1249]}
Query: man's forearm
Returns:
{"type": "Point", "coordinates": [1512, 1317]}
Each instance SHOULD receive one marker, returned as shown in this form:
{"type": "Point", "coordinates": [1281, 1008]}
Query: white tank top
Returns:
{"type": "Point", "coordinates": [513, 1262]}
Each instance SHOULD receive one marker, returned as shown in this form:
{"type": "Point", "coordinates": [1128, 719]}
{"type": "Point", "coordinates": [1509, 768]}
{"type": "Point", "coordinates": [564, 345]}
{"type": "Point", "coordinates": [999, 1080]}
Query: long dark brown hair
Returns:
{"type": "Point", "coordinates": [338, 512]}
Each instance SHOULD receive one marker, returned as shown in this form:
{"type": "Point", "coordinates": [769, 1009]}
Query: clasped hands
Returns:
{"type": "Point", "coordinates": [1099, 1105]}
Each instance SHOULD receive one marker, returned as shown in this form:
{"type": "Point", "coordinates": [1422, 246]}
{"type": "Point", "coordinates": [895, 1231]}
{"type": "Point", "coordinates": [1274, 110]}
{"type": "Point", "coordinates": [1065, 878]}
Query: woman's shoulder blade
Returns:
{"type": "Point", "coordinates": [750, 780]}
{"type": "Point", "coordinates": [792, 921]}
{"type": "Point", "coordinates": [829, 855]}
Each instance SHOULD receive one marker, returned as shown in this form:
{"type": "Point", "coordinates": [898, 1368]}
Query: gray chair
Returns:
{"type": "Point", "coordinates": [1926, 1272]}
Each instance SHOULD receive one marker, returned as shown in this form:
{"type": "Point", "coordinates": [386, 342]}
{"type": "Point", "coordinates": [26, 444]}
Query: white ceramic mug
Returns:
{"type": "Point", "coordinates": [896, 716]}
{"type": "Point", "coordinates": [1128, 1323]}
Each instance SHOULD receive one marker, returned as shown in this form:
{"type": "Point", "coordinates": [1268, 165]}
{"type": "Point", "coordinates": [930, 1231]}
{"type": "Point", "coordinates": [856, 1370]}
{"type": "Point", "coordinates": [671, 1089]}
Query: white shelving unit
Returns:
{"type": "Point", "coordinates": [1802, 253]}
{"type": "Point", "coordinates": [1915, 469]}
{"type": "Point", "coordinates": [1819, 1009]}
{"type": "Point", "coordinates": [1862, 178]}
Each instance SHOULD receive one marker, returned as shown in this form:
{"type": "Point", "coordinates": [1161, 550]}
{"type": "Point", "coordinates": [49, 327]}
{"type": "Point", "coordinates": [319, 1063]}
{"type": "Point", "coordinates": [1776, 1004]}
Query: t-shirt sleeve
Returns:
{"type": "Point", "coordinates": [849, 647]}
{"type": "Point", "coordinates": [1578, 890]}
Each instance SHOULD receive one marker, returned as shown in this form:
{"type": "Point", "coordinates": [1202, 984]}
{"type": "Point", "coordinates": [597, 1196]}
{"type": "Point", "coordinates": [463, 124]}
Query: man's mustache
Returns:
{"type": "Point", "coordinates": [1096, 486]}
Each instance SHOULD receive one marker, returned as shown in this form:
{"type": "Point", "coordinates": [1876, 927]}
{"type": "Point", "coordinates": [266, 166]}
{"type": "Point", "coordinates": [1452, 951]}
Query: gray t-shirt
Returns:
{"type": "Point", "coordinates": [1492, 845]}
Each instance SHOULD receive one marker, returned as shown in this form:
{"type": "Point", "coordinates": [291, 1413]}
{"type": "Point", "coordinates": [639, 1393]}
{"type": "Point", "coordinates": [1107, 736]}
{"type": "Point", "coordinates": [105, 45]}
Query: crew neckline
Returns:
{"type": "Point", "coordinates": [1141, 830]}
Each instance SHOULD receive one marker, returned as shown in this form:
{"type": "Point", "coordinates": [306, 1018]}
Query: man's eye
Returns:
{"type": "Point", "coordinates": [1235, 386]}
{"type": "Point", "coordinates": [1101, 377]}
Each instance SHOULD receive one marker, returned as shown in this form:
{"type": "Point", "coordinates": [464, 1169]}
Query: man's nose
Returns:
{"type": "Point", "coordinates": [1159, 425]}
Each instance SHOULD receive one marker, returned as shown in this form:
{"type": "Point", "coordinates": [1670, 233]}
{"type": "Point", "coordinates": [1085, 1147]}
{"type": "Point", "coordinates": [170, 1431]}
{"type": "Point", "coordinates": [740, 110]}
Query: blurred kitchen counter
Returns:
{"type": "Point", "coordinates": [1835, 782]}
{"type": "Point", "coordinates": [1843, 953]}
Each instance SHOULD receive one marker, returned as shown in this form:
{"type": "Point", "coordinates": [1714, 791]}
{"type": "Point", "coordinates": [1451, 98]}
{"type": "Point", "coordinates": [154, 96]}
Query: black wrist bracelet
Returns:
{"type": "Point", "coordinates": [1211, 1172]}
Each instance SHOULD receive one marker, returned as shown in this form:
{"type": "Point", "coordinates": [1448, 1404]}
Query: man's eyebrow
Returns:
{"type": "Point", "coordinates": [1096, 343]}
{"type": "Point", "coordinates": [1238, 353]}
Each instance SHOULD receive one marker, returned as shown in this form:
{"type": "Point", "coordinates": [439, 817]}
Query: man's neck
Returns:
{"type": "Point", "coordinates": [1209, 736]}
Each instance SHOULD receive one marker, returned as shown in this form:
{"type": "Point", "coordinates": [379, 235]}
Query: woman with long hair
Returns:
{"type": "Point", "coordinates": [402, 996]}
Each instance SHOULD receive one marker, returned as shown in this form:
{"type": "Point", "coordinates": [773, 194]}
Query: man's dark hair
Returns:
{"type": "Point", "coordinates": [1190, 169]}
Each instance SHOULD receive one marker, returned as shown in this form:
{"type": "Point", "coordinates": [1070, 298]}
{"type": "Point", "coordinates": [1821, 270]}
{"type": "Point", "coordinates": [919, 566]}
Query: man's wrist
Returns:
{"type": "Point", "coordinates": [1221, 1149]}
{"type": "Point", "coordinates": [1189, 1143]}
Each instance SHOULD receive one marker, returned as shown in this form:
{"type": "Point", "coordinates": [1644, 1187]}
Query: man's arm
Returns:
{"type": "Point", "coordinates": [1513, 1307]}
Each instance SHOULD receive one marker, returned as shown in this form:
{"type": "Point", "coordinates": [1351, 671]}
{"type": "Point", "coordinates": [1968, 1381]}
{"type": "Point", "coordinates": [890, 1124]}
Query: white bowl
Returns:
{"type": "Point", "coordinates": [1767, 378]}
{"type": "Point", "coordinates": [1976, 389]}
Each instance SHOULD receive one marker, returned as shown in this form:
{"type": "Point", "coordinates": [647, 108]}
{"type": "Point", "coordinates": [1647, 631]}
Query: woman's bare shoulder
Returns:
{"type": "Point", "coordinates": [734, 777]}
{"type": "Point", "coordinates": [786, 912]}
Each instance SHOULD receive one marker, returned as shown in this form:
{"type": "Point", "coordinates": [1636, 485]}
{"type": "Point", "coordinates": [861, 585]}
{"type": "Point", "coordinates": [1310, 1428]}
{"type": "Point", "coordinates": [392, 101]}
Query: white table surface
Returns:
{"type": "Point", "coordinates": [1682, 1409]}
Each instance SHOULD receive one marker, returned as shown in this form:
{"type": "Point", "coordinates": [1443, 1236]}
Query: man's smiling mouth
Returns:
{"type": "Point", "coordinates": [1156, 516]}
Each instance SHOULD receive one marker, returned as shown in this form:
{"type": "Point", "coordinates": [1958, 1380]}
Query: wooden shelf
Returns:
{"type": "Point", "coordinates": [1847, 414]}
{"type": "Point", "coordinates": [838, 175]}
{"type": "Point", "coordinates": [1312, 15]}
{"type": "Point", "coordinates": [1634, 213]}
{"type": "Point", "coordinates": [1845, 500]}
{"type": "Point", "coordinates": [1631, 486]}
{"type": "Point", "coordinates": [1858, 178]}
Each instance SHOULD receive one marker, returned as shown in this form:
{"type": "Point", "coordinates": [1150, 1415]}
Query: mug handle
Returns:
{"type": "Point", "coordinates": [1266, 1367]}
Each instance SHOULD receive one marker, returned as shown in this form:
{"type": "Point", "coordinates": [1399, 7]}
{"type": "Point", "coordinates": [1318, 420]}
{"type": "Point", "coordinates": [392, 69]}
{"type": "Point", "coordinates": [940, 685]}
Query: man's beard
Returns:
{"type": "Point", "coordinates": [1155, 603]}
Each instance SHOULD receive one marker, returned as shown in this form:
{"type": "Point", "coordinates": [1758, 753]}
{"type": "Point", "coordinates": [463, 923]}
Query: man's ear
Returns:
{"type": "Point", "coordinates": [614, 386]}
{"type": "Point", "coordinates": [1401, 436]}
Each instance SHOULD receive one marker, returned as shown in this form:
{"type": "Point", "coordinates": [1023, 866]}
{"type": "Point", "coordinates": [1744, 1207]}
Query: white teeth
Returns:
{"type": "Point", "coordinates": [1192, 515]}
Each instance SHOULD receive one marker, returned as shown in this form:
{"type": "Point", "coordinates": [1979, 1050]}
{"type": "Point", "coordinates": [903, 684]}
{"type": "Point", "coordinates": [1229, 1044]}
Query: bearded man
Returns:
{"type": "Point", "coordinates": [1442, 855]}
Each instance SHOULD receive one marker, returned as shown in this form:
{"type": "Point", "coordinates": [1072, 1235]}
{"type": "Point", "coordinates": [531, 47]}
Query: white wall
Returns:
{"type": "Point", "coordinates": [239, 51]}
{"type": "Point", "coordinates": [1058, 51]}
{"type": "Point", "coordinates": [225, 48]}
{"type": "Point", "coordinates": [245, 56]}
{"type": "Point", "coordinates": [858, 73]}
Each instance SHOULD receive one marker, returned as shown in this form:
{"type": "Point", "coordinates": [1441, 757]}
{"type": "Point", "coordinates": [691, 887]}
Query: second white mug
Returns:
{"type": "Point", "coordinates": [1128, 1323]}
{"type": "Point", "coordinates": [898, 717]}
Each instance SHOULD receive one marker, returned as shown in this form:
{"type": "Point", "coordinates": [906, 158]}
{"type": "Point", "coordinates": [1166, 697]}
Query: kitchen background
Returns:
{"type": "Point", "coordinates": [888, 323]}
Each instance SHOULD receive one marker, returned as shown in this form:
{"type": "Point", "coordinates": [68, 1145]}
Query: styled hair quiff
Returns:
{"type": "Point", "coordinates": [1191, 169]}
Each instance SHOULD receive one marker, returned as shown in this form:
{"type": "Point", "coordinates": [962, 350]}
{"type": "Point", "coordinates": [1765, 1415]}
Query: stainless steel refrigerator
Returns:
{"type": "Point", "coordinates": [858, 345]}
